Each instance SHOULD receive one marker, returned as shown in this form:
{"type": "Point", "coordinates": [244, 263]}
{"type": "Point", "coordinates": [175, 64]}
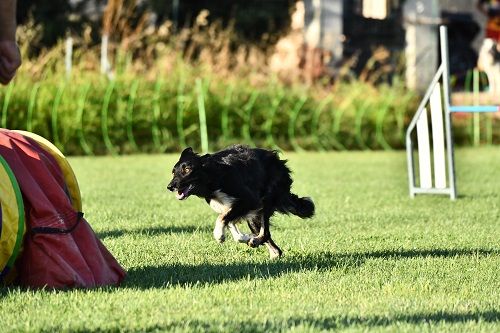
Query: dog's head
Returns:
{"type": "Point", "coordinates": [188, 176]}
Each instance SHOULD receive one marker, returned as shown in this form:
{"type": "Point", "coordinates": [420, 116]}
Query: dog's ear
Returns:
{"type": "Point", "coordinates": [187, 152]}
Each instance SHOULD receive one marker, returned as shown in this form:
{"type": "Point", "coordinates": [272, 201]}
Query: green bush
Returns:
{"type": "Point", "coordinates": [90, 114]}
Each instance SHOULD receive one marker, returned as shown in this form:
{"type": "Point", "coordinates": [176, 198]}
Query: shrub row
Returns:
{"type": "Point", "coordinates": [90, 114]}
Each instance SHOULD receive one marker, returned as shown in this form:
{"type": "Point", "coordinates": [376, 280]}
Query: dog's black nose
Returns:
{"type": "Point", "coordinates": [170, 187]}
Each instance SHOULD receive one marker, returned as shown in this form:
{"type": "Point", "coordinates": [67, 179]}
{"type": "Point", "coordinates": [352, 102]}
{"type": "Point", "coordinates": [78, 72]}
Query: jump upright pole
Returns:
{"type": "Point", "coordinates": [437, 100]}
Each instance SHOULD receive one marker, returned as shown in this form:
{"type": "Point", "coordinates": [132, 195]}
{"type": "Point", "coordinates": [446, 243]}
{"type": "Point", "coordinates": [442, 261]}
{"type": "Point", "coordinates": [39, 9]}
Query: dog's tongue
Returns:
{"type": "Point", "coordinates": [181, 195]}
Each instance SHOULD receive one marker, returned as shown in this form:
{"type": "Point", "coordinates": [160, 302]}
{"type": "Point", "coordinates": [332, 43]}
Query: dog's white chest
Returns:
{"type": "Point", "coordinates": [222, 203]}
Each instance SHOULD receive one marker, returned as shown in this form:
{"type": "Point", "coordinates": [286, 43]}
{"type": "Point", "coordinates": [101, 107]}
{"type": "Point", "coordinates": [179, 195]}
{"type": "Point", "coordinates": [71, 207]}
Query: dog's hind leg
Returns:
{"type": "Point", "coordinates": [274, 251]}
{"type": "Point", "coordinates": [254, 226]}
{"type": "Point", "coordinates": [262, 235]}
{"type": "Point", "coordinates": [260, 223]}
{"type": "Point", "coordinates": [237, 235]}
{"type": "Point", "coordinates": [254, 223]}
{"type": "Point", "coordinates": [228, 218]}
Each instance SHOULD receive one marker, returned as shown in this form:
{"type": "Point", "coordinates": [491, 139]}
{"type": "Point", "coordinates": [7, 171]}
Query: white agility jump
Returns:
{"type": "Point", "coordinates": [437, 170]}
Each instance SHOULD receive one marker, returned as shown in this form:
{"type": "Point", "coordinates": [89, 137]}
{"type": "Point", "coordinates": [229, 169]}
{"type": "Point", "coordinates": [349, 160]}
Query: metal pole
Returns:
{"type": "Point", "coordinates": [411, 171]}
{"type": "Point", "coordinates": [202, 115]}
{"type": "Point", "coordinates": [69, 56]}
{"type": "Point", "coordinates": [425, 100]}
{"type": "Point", "coordinates": [475, 108]}
{"type": "Point", "coordinates": [476, 129]}
{"type": "Point", "coordinates": [104, 54]}
{"type": "Point", "coordinates": [446, 92]}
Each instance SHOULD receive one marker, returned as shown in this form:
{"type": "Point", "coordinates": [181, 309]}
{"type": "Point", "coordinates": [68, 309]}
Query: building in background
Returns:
{"type": "Point", "coordinates": [339, 31]}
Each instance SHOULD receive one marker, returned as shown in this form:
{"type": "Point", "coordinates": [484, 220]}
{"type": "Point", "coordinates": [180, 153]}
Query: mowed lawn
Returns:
{"type": "Point", "coordinates": [372, 259]}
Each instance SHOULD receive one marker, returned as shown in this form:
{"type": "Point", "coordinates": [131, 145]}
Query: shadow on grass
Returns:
{"type": "Point", "coordinates": [149, 277]}
{"type": "Point", "coordinates": [152, 231]}
{"type": "Point", "coordinates": [209, 273]}
{"type": "Point", "coordinates": [415, 319]}
{"type": "Point", "coordinates": [328, 323]}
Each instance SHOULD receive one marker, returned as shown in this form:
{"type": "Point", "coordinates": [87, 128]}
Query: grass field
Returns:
{"type": "Point", "coordinates": [371, 259]}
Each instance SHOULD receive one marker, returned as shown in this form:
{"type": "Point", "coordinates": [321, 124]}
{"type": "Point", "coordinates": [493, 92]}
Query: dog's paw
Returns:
{"type": "Point", "coordinates": [275, 254]}
{"type": "Point", "coordinates": [242, 238]}
{"type": "Point", "coordinates": [253, 242]}
{"type": "Point", "coordinates": [220, 239]}
{"type": "Point", "coordinates": [219, 234]}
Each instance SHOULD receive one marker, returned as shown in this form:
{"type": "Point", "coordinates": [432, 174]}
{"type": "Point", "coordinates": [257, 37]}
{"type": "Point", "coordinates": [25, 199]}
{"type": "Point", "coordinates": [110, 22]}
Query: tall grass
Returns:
{"type": "Point", "coordinates": [89, 114]}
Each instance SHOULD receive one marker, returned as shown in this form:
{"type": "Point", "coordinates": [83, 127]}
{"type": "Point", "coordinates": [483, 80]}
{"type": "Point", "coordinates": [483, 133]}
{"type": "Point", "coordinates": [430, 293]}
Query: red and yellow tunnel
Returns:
{"type": "Point", "coordinates": [12, 223]}
{"type": "Point", "coordinates": [44, 239]}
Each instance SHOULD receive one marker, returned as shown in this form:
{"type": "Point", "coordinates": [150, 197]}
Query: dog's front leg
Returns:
{"type": "Point", "coordinates": [219, 229]}
{"type": "Point", "coordinates": [237, 211]}
{"type": "Point", "coordinates": [237, 235]}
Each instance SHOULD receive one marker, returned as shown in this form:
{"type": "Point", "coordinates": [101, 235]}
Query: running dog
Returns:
{"type": "Point", "coordinates": [240, 183]}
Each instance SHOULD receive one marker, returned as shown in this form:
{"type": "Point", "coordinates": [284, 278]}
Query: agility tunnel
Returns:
{"type": "Point", "coordinates": [44, 239]}
{"type": "Point", "coordinates": [12, 224]}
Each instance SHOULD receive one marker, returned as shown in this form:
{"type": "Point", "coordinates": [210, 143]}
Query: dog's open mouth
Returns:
{"type": "Point", "coordinates": [183, 193]}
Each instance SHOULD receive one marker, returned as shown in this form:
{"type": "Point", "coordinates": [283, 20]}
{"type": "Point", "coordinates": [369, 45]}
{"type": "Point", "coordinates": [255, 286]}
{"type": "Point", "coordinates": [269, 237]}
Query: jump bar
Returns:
{"type": "Point", "coordinates": [475, 108]}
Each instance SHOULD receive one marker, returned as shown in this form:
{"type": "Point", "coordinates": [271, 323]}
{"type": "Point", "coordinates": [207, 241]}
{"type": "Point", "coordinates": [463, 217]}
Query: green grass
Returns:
{"type": "Point", "coordinates": [371, 259]}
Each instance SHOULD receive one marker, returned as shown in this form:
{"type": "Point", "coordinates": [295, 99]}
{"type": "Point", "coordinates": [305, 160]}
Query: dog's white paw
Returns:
{"type": "Point", "coordinates": [274, 255]}
{"type": "Point", "coordinates": [242, 238]}
{"type": "Point", "coordinates": [219, 235]}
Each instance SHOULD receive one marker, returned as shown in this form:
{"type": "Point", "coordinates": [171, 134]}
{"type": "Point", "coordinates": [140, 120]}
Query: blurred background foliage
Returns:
{"type": "Point", "coordinates": [254, 21]}
{"type": "Point", "coordinates": [206, 70]}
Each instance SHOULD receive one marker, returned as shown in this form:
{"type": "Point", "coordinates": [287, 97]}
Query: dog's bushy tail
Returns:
{"type": "Point", "coordinates": [302, 207]}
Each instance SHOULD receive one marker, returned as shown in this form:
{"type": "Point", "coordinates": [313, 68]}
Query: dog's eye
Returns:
{"type": "Point", "coordinates": [186, 170]}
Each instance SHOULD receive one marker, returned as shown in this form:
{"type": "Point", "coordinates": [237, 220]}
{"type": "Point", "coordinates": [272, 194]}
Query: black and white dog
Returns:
{"type": "Point", "coordinates": [240, 183]}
